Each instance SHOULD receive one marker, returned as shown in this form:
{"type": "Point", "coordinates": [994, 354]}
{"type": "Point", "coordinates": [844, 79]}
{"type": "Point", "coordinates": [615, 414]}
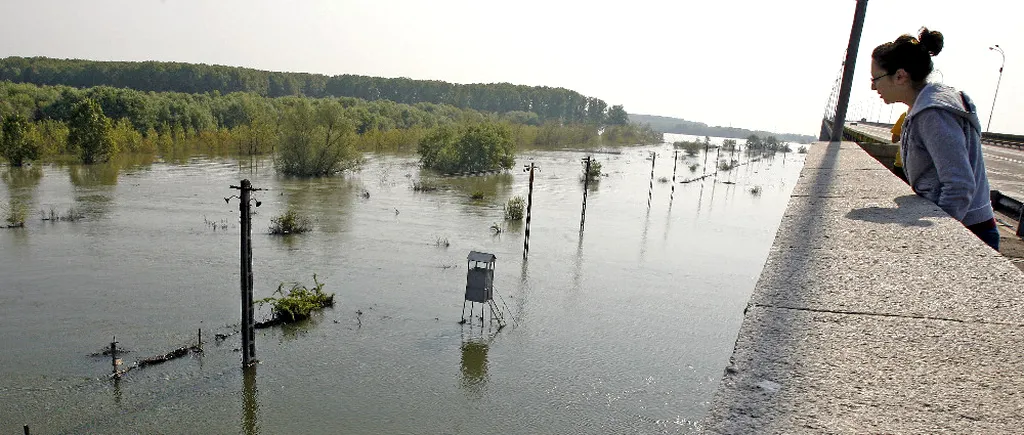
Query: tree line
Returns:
{"type": "Point", "coordinates": [547, 103]}
{"type": "Point", "coordinates": [308, 136]}
{"type": "Point", "coordinates": [666, 124]}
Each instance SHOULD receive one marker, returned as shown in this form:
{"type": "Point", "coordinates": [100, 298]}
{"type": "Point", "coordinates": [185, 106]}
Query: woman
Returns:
{"type": "Point", "coordinates": [941, 137]}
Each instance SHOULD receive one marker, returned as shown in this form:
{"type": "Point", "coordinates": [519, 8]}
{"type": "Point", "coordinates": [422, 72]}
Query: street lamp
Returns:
{"type": "Point", "coordinates": [1000, 50]}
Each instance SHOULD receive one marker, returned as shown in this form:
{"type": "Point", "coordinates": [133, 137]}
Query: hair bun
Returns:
{"type": "Point", "coordinates": [931, 40]}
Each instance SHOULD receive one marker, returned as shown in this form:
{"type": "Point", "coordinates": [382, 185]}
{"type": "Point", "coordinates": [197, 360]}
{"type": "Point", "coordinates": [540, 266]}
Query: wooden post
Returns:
{"type": "Point", "coordinates": [586, 185]}
{"type": "Point", "coordinates": [26, 430]}
{"type": "Point", "coordinates": [529, 213]}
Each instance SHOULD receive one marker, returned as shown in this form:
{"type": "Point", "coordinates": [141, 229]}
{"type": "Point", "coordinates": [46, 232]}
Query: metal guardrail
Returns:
{"type": "Point", "coordinates": [1006, 140]}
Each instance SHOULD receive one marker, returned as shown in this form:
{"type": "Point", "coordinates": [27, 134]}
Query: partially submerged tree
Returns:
{"type": "Point", "coordinates": [316, 141]}
{"type": "Point", "coordinates": [89, 132]}
{"type": "Point", "coordinates": [481, 147]}
{"type": "Point", "coordinates": [15, 145]}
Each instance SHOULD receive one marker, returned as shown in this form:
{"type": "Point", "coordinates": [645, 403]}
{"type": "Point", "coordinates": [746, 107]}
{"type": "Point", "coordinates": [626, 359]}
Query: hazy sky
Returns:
{"type": "Point", "coordinates": [755, 64]}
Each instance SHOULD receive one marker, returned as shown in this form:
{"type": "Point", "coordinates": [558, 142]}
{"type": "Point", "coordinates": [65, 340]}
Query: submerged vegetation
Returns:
{"type": "Point", "coordinates": [473, 148]}
{"type": "Point", "coordinates": [593, 173]}
{"type": "Point", "coordinates": [16, 214]}
{"type": "Point", "coordinates": [290, 222]}
{"type": "Point", "coordinates": [514, 208]}
{"type": "Point", "coordinates": [298, 303]}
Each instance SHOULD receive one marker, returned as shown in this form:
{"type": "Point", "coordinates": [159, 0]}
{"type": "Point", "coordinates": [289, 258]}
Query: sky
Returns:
{"type": "Point", "coordinates": [742, 63]}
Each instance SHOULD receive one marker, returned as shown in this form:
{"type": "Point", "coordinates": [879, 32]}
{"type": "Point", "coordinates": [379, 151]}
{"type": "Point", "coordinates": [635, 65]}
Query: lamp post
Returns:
{"type": "Point", "coordinates": [1000, 50]}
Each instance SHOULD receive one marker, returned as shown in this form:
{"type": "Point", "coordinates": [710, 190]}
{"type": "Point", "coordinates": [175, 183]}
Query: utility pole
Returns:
{"type": "Point", "coordinates": [248, 321]}
{"type": "Point", "coordinates": [650, 187]}
{"type": "Point", "coordinates": [848, 70]}
{"type": "Point", "coordinates": [529, 209]}
{"type": "Point", "coordinates": [586, 185]}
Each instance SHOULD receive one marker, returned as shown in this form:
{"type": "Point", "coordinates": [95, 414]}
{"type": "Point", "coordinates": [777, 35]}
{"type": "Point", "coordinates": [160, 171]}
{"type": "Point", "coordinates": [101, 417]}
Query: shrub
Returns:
{"type": "Point", "coordinates": [15, 145]}
{"type": "Point", "coordinates": [316, 141]}
{"type": "Point", "coordinates": [691, 148]}
{"type": "Point", "coordinates": [289, 223]}
{"type": "Point", "coordinates": [89, 132]}
{"type": "Point", "coordinates": [298, 303]}
{"type": "Point", "coordinates": [473, 148]}
{"type": "Point", "coordinates": [477, 195]}
{"type": "Point", "coordinates": [726, 165]}
{"type": "Point", "coordinates": [802, 149]}
{"type": "Point", "coordinates": [693, 167]}
{"type": "Point", "coordinates": [755, 190]}
{"type": "Point", "coordinates": [594, 173]}
{"type": "Point", "coordinates": [663, 179]}
{"type": "Point", "coordinates": [514, 208]}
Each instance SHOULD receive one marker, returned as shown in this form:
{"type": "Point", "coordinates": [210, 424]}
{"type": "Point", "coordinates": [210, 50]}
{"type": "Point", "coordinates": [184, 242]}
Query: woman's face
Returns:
{"type": "Point", "coordinates": [882, 82]}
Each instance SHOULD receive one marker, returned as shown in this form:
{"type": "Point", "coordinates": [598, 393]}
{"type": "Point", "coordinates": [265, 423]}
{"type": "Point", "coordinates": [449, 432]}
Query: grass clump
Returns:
{"type": "Point", "coordinates": [693, 167]}
{"type": "Point", "coordinates": [289, 223]}
{"type": "Point", "coordinates": [755, 190]}
{"type": "Point", "coordinates": [16, 214]}
{"type": "Point", "coordinates": [802, 149]}
{"type": "Point", "coordinates": [477, 195]}
{"type": "Point", "coordinates": [424, 186]}
{"type": "Point", "coordinates": [514, 208]}
{"type": "Point", "coordinates": [298, 303]}
{"type": "Point", "coordinates": [726, 165]}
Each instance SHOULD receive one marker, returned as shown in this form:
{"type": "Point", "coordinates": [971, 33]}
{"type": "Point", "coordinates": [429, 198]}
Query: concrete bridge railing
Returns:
{"type": "Point", "coordinates": [875, 313]}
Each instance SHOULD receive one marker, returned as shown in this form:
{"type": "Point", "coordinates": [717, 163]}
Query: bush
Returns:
{"type": "Point", "coordinates": [473, 148]}
{"type": "Point", "coordinates": [15, 145]}
{"type": "Point", "coordinates": [477, 195]}
{"type": "Point", "coordinates": [693, 167]}
{"type": "Point", "coordinates": [802, 149]}
{"type": "Point", "coordinates": [514, 208]}
{"type": "Point", "coordinates": [89, 132]}
{"type": "Point", "coordinates": [725, 165]}
{"type": "Point", "coordinates": [595, 171]}
{"type": "Point", "coordinates": [691, 148]}
{"type": "Point", "coordinates": [289, 223]}
{"type": "Point", "coordinates": [755, 190]}
{"type": "Point", "coordinates": [316, 141]}
{"type": "Point", "coordinates": [298, 303]}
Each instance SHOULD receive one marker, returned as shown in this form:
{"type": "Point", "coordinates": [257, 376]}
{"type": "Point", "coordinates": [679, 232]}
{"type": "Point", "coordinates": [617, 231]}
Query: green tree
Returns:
{"type": "Point", "coordinates": [15, 145]}
{"type": "Point", "coordinates": [89, 132]}
{"type": "Point", "coordinates": [617, 115]}
{"type": "Point", "coordinates": [480, 147]}
{"type": "Point", "coordinates": [316, 141]}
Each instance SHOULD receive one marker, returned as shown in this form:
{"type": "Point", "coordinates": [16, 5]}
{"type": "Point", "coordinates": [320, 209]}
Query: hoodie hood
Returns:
{"type": "Point", "coordinates": [937, 95]}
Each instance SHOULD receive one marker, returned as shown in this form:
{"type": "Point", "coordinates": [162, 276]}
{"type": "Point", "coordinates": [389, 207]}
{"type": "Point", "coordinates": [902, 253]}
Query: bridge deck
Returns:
{"type": "Point", "coordinates": [874, 315]}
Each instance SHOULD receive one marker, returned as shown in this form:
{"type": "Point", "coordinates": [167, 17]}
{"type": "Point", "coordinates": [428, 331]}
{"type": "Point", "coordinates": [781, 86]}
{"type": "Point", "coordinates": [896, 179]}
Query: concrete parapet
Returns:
{"type": "Point", "coordinates": [875, 313]}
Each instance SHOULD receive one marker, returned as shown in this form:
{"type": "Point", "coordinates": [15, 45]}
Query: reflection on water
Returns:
{"type": "Point", "coordinates": [250, 401]}
{"type": "Point", "coordinates": [99, 174]}
{"type": "Point", "coordinates": [474, 366]}
{"type": "Point", "coordinates": [22, 177]}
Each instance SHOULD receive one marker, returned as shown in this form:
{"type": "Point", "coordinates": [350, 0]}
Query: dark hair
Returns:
{"type": "Point", "coordinates": [914, 55]}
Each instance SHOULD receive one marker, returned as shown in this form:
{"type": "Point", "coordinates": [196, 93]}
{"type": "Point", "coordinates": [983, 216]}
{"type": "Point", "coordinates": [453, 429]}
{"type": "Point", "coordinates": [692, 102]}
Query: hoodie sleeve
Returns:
{"type": "Point", "coordinates": [943, 137]}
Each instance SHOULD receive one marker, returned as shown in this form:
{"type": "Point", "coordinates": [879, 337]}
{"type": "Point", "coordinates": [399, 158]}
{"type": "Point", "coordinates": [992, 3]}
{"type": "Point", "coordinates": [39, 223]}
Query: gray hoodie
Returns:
{"type": "Point", "coordinates": [941, 150]}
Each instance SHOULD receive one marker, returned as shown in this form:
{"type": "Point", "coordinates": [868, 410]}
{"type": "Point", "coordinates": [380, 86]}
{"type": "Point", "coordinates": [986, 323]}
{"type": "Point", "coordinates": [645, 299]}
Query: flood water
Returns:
{"type": "Point", "coordinates": [625, 329]}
